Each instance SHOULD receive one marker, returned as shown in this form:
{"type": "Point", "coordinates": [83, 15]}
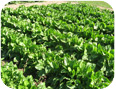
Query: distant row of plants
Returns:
{"type": "Point", "coordinates": [20, 2]}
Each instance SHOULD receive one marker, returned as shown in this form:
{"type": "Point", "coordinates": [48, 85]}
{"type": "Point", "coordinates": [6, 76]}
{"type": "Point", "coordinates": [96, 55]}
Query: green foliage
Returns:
{"type": "Point", "coordinates": [61, 46]}
{"type": "Point", "coordinates": [20, 2]}
{"type": "Point", "coordinates": [14, 78]}
{"type": "Point", "coordinates": [97, 3]}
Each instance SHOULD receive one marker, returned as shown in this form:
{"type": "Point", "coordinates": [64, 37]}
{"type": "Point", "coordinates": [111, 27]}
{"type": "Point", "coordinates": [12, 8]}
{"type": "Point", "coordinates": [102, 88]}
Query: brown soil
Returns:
{"type": "Point", "coordinates": [105, 8]}
{"type": "Point", "coordinates": [21, 70]}
{"type": "Point", "coordinates": [2, 63]}
{"type": "Point", "coordinates": [14, 6]}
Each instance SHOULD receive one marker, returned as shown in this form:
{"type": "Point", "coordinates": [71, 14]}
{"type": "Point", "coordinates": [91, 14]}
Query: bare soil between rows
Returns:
{"type": "Point", "coordinates": [14, 6]}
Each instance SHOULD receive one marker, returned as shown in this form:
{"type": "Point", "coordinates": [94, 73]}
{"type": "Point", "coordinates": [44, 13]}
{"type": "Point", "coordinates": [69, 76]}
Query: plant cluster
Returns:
{"type": "Point", "coordinates": [20, 2]}
{"type": "Point", "coordinates": [58, 46]}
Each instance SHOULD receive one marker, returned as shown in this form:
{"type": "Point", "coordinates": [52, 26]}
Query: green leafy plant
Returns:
{"type": "Point", "coordinates": [61, 46]}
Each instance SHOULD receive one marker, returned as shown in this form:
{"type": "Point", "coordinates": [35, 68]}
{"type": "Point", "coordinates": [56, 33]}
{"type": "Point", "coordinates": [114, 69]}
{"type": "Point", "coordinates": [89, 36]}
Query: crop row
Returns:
{"type": "Point", "coordinates": [61, 46]}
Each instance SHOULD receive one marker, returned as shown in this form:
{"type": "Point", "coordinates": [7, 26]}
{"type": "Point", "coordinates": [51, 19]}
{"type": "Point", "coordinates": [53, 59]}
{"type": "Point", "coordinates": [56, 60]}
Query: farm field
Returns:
{"type": "Point", "coordinates": [58, 46]}
{"type": "Point", "coordinates": [97, 3]}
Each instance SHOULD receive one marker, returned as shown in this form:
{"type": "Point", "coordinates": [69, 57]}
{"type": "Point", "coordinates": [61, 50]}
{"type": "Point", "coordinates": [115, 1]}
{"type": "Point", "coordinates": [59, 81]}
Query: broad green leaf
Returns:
{"type": "Point", "coordinates": [39, 67]}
